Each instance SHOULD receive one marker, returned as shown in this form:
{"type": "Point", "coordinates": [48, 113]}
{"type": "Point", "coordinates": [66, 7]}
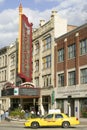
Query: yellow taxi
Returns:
{"type": "Point", "coordinates": [52, 120]}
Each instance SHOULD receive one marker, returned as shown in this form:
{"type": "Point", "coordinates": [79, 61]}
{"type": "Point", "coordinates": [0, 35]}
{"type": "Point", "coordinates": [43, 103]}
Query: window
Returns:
{"type": "Point", "coordinates": [47, 80]}
{"type": "Point", "coordinates": [5, 60]}
{"type": "Point", "coordinates": [37, 81]}
{"type": "Point", "coordinates": [12, 60]}
{"type": "Point", "coordinates": [37, 47]}
{"type": "Point", "coordinates": [83, 107]}
{"type": "Point", "coordinates": [47, 43]}
{"type": "Point", "coordinates": [58, 116]}
{"type": "Point", "coordinates": [12, 75]}
{"type": "Point", "coordinates": [49, 116]}
{"type": "Point", "coordinates": [47, 62]}
{"type": "Point", "coordinates": [83, 47]}
{"type": "Point", "coordinates": [83, 76]}
{"type": "Point", "coordinates": [60, 80]}
{"type": "Point", "coordinates": [37, 65]}
{"type": "Point", "coordinates": [61, 55]}
{"type": "Point", "coordinates": [72, 78]}
{"type": "Point", "coordinates": [71, 51]}
{"type": "Point", "coordinates": [0, 61]}
{"type": "Point", "coordinates": [0, 76]}
{"type": "Point", "coordinates": [5, 75]}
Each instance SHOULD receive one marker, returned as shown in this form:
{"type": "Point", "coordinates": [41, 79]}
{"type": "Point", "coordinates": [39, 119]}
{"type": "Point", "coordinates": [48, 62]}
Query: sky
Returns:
{"type": "Point", "coordinates": [75, 11]}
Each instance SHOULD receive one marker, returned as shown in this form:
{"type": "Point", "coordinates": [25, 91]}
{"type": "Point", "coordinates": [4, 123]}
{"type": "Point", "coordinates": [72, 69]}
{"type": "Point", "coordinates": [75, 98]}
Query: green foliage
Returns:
{"type": "Point", "coordinates": [84, 114]}
{"type": "Point", "coordinates": [17, 113]}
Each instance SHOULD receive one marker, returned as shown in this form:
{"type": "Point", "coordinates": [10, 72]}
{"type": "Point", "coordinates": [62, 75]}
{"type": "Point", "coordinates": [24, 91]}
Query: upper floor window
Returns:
{"type": "Point", "coordinates": [12, 60]}
{"type": "Point", "coordinates": [12, 74]}
{"type": "Point", "coordinates": [0, 62]}
{"type": "Point", "coordinates": [46, 80]}
{"type": "Point", "coordinates": [37, 48]}
{"type": "Point", "coordinates": [47, 43]}
{"type": "Point", "coordinates": [83, 76]}
{"type": "Point", "coordinates": [61, 80]}
{"type": "Point", "coordinates": [37, 81]}
{"type": "Point", "coordinates": [61, 55]}
{"type": "Point", "coordinates": [0, 76]}
{"type": "Point", "coordinates": [83, 46]}
{"type": "Point", "coordinates": [37, 65]}
{"type": "Point", "coordinates": [47, 62]}
{"type": "Point", "coordinates": [71, 78]}
{"type": "Point", "coordinates": [71, 51]}
{"type": "Point", "coordinates": [5, 59]}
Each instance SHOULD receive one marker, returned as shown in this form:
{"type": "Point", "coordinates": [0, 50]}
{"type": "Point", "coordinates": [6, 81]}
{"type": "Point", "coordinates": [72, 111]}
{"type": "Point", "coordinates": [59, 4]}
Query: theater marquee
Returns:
{"type": "Point", "coordinates": [25, 49]}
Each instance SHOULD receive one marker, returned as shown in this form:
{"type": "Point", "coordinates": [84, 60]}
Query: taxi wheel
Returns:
{"type": "Point", "coordinates": [34, 125]}
{"type": "Point", "coordinates": [65, 124]}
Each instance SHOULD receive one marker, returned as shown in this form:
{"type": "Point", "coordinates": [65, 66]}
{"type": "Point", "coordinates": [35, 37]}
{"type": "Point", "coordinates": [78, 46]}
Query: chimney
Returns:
{"type": "Point", "coordinates": [54, 12]}
{"type": "Point", "coordinates": [42, 22]}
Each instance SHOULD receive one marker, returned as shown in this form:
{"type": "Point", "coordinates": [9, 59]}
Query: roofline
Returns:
{"type": "Point", "coordinates": [73, 31]}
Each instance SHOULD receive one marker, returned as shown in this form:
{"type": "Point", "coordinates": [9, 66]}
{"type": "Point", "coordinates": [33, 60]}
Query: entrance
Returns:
{"type": "Point", "coordinates": [72, 107]}
{"type": "Point", "coordinates": [46, 101]}
{"type": "Point", "coordinates": [25, 103]}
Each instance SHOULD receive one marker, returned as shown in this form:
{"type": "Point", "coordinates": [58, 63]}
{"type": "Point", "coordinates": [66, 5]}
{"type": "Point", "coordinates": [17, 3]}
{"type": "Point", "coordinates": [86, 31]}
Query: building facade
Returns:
{"type": "Point", "coordinates": [59, 68]}
{"type": "Point", "coordinates": [3, 72]}
{"type": "Point", "coordinates": [8, 71]}
{"type": "Point", "coordinates": [71, 72]}
{"type": "Point", "coordinates": [43, 58]}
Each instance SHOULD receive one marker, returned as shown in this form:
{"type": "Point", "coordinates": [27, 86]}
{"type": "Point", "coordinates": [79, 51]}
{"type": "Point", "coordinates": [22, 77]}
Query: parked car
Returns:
{"type": "Point", "coordinates": [51, 120]}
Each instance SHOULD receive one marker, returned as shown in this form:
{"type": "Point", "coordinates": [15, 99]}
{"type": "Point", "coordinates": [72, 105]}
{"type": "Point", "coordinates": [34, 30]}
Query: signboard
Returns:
{"type": "Point", "coordinates": [25, 49]}
{"type": "Point", "coordinates": [29, 91]}
{"type": "Point", "coordinates": [16, 91]}
{"type": "Point", "coordinates": [21, 92]}
{"type": "Point", "coordinates": [7, 92]}
{"type": "Point", "coordinates": [53, 97]}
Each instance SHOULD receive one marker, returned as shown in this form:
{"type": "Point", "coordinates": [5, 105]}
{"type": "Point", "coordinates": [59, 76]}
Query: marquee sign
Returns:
{"type": "Point", "coordinates": [18, 91]}
{"type": "Point", "coordinates": [25, 49]}
{"type": "Point", "coordinates": [29, 91]}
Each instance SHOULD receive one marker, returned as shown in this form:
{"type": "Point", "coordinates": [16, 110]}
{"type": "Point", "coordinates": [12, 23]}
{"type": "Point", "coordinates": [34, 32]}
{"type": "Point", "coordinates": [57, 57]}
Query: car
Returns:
{"type": "Point", "coordinates": [52, 120]}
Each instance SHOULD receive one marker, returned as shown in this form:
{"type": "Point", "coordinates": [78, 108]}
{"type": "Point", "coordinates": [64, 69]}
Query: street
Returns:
{"type": "Point", "coordinates": [20, 126]}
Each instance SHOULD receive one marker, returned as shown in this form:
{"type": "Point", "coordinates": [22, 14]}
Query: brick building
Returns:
{"type": "Point", "coordinates": [71, 72]}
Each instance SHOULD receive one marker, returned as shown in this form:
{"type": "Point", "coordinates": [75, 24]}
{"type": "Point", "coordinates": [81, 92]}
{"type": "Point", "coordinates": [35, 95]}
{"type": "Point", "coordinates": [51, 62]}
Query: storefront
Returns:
{"type": "Point", "coordinates": [25, 96]}
{"type": "Point", "coordinates": [72, 101]}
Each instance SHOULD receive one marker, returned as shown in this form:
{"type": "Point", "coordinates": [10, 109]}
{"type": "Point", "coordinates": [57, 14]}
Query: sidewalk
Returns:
{"type": "Point", "coordinates": [83, 121]}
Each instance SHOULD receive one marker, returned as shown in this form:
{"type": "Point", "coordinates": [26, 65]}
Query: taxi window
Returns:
{"type": "Point", "coordinates": [58, 116]}
{"type": "Point", "coordinates": [49, 116]}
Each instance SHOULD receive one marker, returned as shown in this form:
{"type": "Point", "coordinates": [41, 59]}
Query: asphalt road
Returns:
{"type": "Point", "coordinates": [20, 126]}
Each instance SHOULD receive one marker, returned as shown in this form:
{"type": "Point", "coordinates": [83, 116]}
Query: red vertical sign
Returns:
{"type": "Point", "coordinates": [26, 49]}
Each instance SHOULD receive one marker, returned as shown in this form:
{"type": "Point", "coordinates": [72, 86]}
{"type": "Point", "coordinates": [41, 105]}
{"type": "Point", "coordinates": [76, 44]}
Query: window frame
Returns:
{"type": "Point", "coordinates": [83, 76]}
{"type": "Point", "coordinates": [71, 78]}
{"type": "Point", "coordinates": [60, 75]}
{"type": "Point", "coordinates": [61, 55]}
{"type": "Point", "coordinates": [83, 47]}
{"type": "Point", "coordinates": [72, 51]}
{"type": "Point", "coordinates": [47, 62]}
{"type": "Point", "coordinates": [47, 43]}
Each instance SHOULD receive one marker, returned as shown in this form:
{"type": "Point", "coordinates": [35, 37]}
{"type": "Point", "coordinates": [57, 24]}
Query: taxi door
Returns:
{"type": "Point", "coordinates": [49, 120]}
{"type": "Point", "coordinates": [58, 119]}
